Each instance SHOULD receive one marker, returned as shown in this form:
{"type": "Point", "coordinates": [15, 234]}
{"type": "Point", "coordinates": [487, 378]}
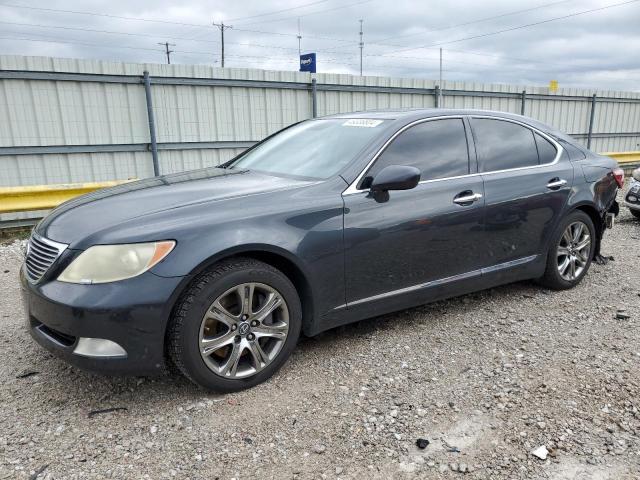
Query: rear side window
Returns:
{"type": "Point", "coordinates": [502, 145]}
{"type": "Point", "coordinates": [575, 154]}
{"type": "Point", "coordinates": [546, 151]}
{"type": "Point", "coordinates": [438, 148]}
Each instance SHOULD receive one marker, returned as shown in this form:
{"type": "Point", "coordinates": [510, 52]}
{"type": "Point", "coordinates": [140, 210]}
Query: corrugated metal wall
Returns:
{"type": "Point", "coordinates": [62, 113]}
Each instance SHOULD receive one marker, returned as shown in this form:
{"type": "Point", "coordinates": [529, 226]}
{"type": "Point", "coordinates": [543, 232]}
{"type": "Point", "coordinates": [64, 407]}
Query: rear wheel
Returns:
{"type": "Point", "coordinates": [571, 252]}
{"type": "Point", "coordinates": [235, 326]}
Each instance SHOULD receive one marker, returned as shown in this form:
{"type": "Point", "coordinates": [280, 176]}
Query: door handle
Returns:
{"type": "Point", "coordinates": [467, 198]}
{"type": "Point", "coordinates": [556, 183]}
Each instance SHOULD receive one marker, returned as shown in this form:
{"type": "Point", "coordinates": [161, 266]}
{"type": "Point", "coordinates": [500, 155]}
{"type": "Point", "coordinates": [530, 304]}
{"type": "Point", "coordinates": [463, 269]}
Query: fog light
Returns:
{"type": "Point", "coordinates": [99, 347]}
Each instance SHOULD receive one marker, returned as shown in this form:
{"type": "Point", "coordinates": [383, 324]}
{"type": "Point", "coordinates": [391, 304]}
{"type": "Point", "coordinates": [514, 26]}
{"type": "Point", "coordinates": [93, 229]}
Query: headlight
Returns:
{"type": "Point", "coordinates": [110, 263]}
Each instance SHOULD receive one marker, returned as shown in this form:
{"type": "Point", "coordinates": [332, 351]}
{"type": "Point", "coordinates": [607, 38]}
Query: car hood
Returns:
{"type": "Point", "coordinates": [105, 209]}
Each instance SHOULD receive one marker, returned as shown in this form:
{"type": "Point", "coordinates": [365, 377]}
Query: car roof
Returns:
{"type": "Point", "coordinates": [407, 115]}
{"type": "Point", "coordinates": [415, 113]}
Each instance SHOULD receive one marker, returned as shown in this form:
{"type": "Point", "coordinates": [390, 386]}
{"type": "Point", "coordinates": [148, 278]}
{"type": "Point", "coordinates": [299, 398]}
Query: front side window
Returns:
{"type": "Point", "coordinates": [314, 148]}
{"type": "Point", "coordinates": [438, 148]}
{"type": "Point", "coordinates": [502, 145]}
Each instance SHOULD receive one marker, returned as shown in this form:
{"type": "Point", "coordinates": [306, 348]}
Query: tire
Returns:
{"type": "Point", "coordinates": [553, 278]}
{"type": "Point", "coordinates": [635, 213]}
{"type": "Point", "coordinates": [196, 322]}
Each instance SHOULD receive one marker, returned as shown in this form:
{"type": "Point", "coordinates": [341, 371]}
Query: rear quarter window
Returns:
{"type": "Point", "coordinates": [546, 151]}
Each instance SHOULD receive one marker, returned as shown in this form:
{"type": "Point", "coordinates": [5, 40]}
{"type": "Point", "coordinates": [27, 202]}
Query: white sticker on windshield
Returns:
{"type": "Point", "coordinates": [362, 122]}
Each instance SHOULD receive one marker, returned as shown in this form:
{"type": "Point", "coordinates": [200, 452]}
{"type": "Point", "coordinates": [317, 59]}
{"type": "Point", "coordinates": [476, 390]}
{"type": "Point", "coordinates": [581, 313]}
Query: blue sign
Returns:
{"type": "Point", "coordinates": [308, 62]}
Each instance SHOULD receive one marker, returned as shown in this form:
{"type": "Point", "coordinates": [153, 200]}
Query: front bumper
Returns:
{"type": "Point", "coordinates": [632, 198]}
{"type": "Point", "coordinates": [132, 313]}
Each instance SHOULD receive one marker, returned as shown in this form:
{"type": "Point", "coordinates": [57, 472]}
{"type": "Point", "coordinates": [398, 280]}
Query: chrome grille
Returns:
{"type": "Point", "coordinates": [41, 253]}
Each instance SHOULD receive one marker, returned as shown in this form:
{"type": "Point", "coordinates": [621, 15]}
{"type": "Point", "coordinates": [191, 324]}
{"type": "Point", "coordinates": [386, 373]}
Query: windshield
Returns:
{"type": "Point", "coordinates": [315, 148]}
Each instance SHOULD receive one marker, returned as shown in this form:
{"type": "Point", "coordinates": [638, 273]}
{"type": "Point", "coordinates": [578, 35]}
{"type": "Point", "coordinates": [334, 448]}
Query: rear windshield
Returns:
{"type": "Point", "coordinates": [314, 148]}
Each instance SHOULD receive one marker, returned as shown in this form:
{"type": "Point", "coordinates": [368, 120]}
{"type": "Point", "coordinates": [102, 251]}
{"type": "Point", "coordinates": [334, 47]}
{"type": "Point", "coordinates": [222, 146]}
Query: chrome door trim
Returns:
{"type": "Point", "coordinates": [558, 183]}
{"type": "Point", "coordinates": [352, 188]}
{"type": "Point", "coordinates": [442, 281]}
{"type": "Point", "coordinates": [474, 197]}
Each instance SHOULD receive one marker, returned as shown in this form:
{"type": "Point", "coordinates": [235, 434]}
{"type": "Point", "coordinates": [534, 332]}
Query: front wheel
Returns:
{"type": "Point", "coordinates": [235, 326]}
{"type": "Point", "coordinates": [571, 252]}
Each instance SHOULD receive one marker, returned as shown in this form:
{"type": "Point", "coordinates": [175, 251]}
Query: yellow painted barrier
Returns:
{"type": "Point", "coordinates": [624, 157]}
{"type": "Point", "coordinates": [44, 197]}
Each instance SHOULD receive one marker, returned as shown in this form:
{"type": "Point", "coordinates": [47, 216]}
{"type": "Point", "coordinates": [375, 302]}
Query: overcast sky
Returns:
{"type": "Point", "coordinates": [599, 49]}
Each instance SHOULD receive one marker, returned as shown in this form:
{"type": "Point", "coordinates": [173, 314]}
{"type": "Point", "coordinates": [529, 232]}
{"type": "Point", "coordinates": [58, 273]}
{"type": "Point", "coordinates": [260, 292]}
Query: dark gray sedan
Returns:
{"type": "Point", "coordinates": [329, 221]}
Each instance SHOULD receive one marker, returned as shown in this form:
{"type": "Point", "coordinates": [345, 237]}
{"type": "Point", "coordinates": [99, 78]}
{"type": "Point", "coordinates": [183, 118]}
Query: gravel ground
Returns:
{"type": "Point", "coordinates": [486, 378]}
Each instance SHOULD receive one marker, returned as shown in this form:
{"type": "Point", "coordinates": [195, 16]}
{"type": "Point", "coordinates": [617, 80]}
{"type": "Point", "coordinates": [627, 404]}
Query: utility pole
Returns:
{"type": "Point", "coordinates": [222, 28]}
{"type": "Point", "coordinates": [299, 40]}
{"type": "Point", "coordinates": [168, 52]}
{"type": "Point", "coordinates": [440, 90]}
{"type": "Point", "coordinates": [361, 47]}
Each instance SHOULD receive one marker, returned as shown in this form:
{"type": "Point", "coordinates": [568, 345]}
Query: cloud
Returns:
{"type": "Point", "coordinates": [594, 50]}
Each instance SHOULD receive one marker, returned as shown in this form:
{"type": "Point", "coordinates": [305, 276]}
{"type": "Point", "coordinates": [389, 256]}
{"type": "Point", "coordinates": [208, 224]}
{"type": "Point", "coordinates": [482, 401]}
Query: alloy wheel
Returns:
{"type": "Point", "coordinates": [573, 251]}
{"type": "Point", "coordinates": [243, 330]}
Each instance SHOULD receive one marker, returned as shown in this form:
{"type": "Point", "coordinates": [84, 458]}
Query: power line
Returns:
{"type": "Point", "coordinates": [140, 19]}
{"type": "Point", "coordinates": [110, 32]}
{"type": "Point", "coordinates": [511, 29]}
{"type": "Point", "coordinates": [93, 30]}
{"type": "Point", "coordinates": [310, 13]}
{"type": "Point", "coordinates": [480, 20]}
{"type": "Point", "coordinates": [95, 14]}
{"type": "Point", "coordinates": [278, 11]}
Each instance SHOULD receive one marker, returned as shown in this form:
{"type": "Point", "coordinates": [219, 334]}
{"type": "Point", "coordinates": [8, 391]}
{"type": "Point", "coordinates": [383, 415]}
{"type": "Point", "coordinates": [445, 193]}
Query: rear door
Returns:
{"type": "Point", "coordinates": [399, 242]}
{"type": "Point", "coordinates": [526, 187]}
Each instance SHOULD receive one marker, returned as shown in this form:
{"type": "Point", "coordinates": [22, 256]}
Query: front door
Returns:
{"type": "Point", "coordinates": [405, 239]}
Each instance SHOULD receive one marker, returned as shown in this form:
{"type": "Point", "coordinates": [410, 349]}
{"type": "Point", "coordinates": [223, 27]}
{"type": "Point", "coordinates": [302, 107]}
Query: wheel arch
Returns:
{"type": "Point", "coordinates": [595, 217]}
{"type": "Point", "coordinates": [278, 258]}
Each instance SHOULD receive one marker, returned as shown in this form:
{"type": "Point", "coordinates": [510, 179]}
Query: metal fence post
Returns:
{"type": "Point", "coordinates": [593, 112]}
{"type": "Point", "coordinates": [436, 96]}
{"type": "Point", "coordinates": [523, 100]}
{"type": "Point", "coordinates": [152, 124]}
{"type": "Point", "coordinates": [314, 98]}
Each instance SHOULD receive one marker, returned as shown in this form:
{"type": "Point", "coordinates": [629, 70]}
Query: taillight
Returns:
{"type": "Point", "coordinates": [618, 174]}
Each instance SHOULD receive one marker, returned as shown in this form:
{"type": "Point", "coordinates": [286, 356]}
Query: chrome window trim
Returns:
{"type": "Point", "coordinates": [353, 189]}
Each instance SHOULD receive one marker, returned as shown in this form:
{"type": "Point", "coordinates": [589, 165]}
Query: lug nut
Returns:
{"type": "Point", "coordinates": [237, 338]}
{"type": "Point", "coordinates": [251, 336]}
{"type": "Point", "coordinates": [254, 323]}
{"type": "Point", "coordinates": [234, 326]}
{"type": "Point", "coordinates": [244, 317]}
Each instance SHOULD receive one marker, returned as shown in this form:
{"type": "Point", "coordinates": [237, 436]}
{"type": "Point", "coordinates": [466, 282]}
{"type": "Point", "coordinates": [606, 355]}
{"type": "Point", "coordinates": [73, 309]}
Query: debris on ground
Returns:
{"type": "Point", "coordinates": [622, 314]}
{"type": "Point", "coordinates": [422, 443]}
{"type": "Point", "coordinates": [29, 373]}
{"type": "Point", "coordinates": [603, 260]}
{"type": "Point", "coordinates": [541, 452]}
{"type": "Point", "coordinates": [38, 472]}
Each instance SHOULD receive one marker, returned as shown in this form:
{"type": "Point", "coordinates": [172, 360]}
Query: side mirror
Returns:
{"type": "Point", "coordinates": [395, 177]}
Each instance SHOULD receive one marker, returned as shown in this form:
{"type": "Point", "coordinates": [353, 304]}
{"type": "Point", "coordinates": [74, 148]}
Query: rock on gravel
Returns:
{"type": "Point", "coordinates": [495, 374]}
